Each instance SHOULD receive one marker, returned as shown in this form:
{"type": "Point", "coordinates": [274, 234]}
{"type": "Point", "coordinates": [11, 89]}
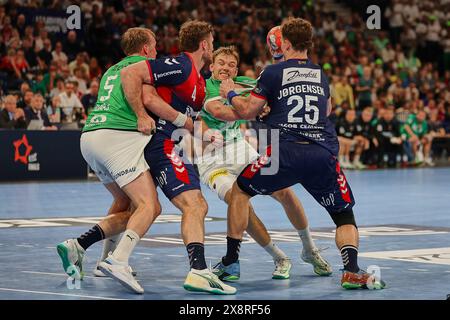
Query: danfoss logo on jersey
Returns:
{"type": "Point", "coordinates": [292, 75]}
{"type": "Point", "coordinates": [22, 154]}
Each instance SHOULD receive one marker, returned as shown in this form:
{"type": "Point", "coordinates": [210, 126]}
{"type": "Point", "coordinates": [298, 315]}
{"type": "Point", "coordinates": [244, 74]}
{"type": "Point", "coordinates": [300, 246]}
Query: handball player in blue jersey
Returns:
{"type": "Point", "coordinates": [297, 91]}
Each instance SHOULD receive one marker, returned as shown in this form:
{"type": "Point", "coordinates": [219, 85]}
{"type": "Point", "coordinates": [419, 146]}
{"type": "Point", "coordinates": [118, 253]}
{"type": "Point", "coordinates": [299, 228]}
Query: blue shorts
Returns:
{"type": "Point", "coordinates": [169, 171]}
{"type": "Point", "coordinates": [309, 164]}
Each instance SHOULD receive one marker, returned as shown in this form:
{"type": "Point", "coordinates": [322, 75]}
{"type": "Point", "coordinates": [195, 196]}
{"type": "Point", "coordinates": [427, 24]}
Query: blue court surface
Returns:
{"type": "Point", "coordinates": [403, 218]}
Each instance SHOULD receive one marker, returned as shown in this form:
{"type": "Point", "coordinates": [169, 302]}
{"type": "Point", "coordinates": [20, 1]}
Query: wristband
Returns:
{"type": "Point", "coordinates": [180, 121]}
{"type": "Point", "coordinates": [231, 95]}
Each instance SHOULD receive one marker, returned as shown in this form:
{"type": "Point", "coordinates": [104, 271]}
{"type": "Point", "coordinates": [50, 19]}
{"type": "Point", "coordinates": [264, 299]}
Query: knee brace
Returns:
{"type": "Point", "coordinates": [343, 217]}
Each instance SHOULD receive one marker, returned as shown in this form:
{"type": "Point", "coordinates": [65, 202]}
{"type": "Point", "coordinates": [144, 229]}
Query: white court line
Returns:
{"type": "Point", "coordinates": [448, 271]}
{"type": "Point", "coordinates": [423, 270]}
{"type": "Point", "coordinates": [175, 255]}
{"type": "Point", "coordinates": [63, 275]}
{"type": "Point", "coordinates": [144, 254]}
{"type": "Point", "coordinates": [385, 268]}
{"type": "Point", "coordinates": [25, 245]}
{"type": "Point", "coordinates": [59, 294]}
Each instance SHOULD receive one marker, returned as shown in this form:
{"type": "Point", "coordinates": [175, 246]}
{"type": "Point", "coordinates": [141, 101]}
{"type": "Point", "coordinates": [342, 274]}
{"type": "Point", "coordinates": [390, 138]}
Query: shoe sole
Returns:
{"type": "Point", "coordinates": [64, 255]}
{"type": "Point", "coordinates": [188, 287]}
{"type": "Point", "coordinates": [122, 281]}
{"type": "Point", "coordinates": [322, 274]}
{"type": "Point", "coordinates": [317, 270]}
{"type": "Point", "coordinates": [282, 277]}
{"type": "Point", "coordinates": [230, 278]}
{"type": "Point", "coordinates": [353, 286]}
{"type": "Point", "coordinates": [97, 273]}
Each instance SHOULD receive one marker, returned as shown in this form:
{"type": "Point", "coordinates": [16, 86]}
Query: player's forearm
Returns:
{"type": "Point", "coordinates": [241, 106]}
{"type": "Point", "coordinates": [132, 88]}
{"type": "Point", "coordinates": [158, 106]}
{"type": "Point", "coordinates": [222, 112]}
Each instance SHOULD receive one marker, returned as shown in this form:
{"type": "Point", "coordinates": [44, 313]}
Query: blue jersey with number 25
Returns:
{"type": "Point", "coordinates": [297, 92]}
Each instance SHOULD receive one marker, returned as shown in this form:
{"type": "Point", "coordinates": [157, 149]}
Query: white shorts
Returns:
{"type": "Point", "coordinates": [219, 170]}
{"type": "Point", "coordinates": [115, 155]}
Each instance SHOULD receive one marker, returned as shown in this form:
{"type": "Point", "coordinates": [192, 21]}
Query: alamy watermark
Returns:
{"type": "Point", "coordinates": [373, 22]}
{"type": "Point", "coordinates": [73, 22]}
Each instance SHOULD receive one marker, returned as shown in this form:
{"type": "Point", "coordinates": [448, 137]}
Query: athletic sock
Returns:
{"type": "Point", "coordinates": [92, 236]}
{"type": "Point", "coordinates": [274, 251]}
{"type": "Point", "coordinates": [307, 241]}
{"type": "Point", "coordinates": [233, 247]}
{"type": "Point", "coordinates": [349, 255]}
{"type": "Point", "coordinates": [196, 253]}
{"type": "Point", "coordinates": [109, 245]}
{"type": "Point", "coordinates": [126, 245]}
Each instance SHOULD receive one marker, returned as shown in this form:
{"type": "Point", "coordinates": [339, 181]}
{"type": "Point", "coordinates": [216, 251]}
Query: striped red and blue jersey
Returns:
{"type": "Point", "coordinates": [180, 84]}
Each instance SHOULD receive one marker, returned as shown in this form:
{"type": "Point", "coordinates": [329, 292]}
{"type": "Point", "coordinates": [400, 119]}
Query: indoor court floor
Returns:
{"type": "Point", "coordinates": [403, 218]}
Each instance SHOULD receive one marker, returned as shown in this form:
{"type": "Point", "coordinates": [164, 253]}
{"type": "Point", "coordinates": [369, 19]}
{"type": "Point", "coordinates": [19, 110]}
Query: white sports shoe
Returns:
{"type": "Point", "coordinates": [120, 271]}
{"type": "Point", "coordinates": [98, 273]}
{"type": "Point", "coordinates": [347, 165]}
{"type": "Point", "coordinates": [429, 162]}
{"type": "Point", "coordinates": [282, 268]}
{"type": "Point", "coordinates": [206, 281]}
{"type": "Point", "coordinates": [71, 254]}
{"type": "Point", "coordinates": [358, 165]}
{"type": "Point", "coordinates": [321, 266]}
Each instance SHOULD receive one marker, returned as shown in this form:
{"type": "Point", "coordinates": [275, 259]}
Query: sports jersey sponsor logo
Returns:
{"type": "Point", "coordinates": [98, 119]}
{"type": "Point", "coordinates": [123, 172]}
{"type": "Point", "coordinates": [165, 74]}
{"type": "Point", "coordinates": [327, 201]}
{"type": "Point", "coordinates": [292, 75]}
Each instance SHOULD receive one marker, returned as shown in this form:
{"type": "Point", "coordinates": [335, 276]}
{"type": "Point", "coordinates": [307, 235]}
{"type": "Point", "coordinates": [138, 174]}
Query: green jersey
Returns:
{"type": "Point", "coordinates": [112, 110]}
{"type": "Point", "coordinates": [228, 129]}
{"type": "Point", "coordinates": [419, 128]}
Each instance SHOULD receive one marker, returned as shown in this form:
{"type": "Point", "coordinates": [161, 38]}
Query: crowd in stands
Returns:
{"type": "Point", "coordinates": [390, 87]}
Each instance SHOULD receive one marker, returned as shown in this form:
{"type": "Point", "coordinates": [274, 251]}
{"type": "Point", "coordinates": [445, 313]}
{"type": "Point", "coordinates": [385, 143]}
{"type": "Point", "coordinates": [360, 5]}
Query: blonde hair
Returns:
{"type": "Point", "coordinates": [229, 51]}
{"type": "Point", "coordinates": [134, 39]}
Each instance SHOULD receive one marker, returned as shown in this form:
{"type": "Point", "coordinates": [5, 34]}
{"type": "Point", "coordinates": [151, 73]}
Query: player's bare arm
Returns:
{"type": "Point", "coordinates": [133, 77]}
{"type": "Point", "coordinates": [247, 107]}
{"type": "Point", "coordinates": [329, 107]}
{"type": "Point", "coordinates": [153, 102]}
{"type": "Point", "coordinates": [222, 112]}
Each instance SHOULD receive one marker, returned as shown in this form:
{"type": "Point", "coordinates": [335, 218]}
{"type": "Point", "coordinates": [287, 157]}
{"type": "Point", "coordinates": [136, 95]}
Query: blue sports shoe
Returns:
{"type": "Point", "coordinates": [231, 272]}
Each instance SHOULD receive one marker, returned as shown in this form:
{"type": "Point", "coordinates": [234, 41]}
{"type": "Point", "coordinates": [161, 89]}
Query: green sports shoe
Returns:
{"type": "Point", "coordinates": [230, 273]}
{"type": "Point", "coordinates": [320, 265]}
{"type": "Point", "coordinates": [282, 269]}
{"type": "Point", "coordinates": [71, 254]}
